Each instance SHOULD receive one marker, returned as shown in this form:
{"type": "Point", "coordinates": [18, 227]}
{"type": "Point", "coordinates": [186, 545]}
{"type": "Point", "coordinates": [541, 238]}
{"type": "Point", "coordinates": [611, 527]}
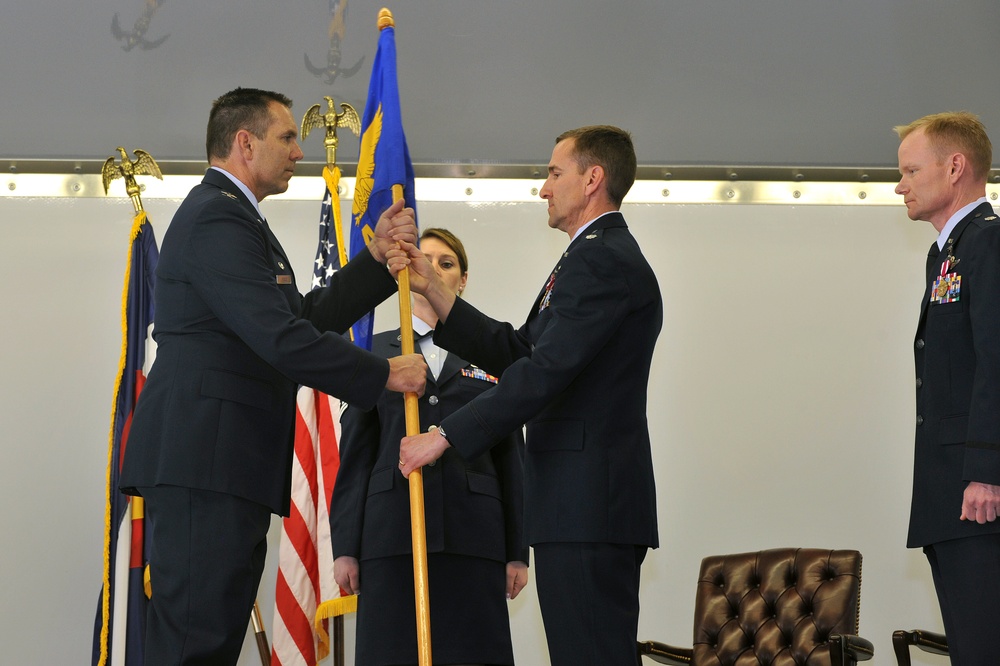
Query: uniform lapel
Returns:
{"type": "Point", "coordinates": [603, 222]}
{"type": "Point", "coordinates": [452, 364]}
{"type": "Point", "coordinates": [931, 269]}
{"type": "Point", "coordinates": [220, 180]}
{"type": "Point", "coordinates": [397, 345]}
{"type": "Point", "coordinates": [935, 256]}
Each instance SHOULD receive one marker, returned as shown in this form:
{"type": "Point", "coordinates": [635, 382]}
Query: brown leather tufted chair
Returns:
{"type": "Point", "coordinates": [784, 606]}
{"type": "Point", "coordinates": [925, 640]}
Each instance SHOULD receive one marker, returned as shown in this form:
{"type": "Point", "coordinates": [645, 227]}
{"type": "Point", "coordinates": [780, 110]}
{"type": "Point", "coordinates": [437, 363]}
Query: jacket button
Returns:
{"type": "Point", "coordinates": [920, 382]}
{"type": "Point", "coordinates": [920, 419]}
{"type": "Point", "coordinates": [433, 400]}
{"type": "Point", "coordinates": [920, 343]}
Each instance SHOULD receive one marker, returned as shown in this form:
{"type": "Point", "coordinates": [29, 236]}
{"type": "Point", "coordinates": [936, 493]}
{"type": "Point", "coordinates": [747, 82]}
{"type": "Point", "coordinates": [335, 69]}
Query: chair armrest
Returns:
{"type": "Point", "coordinates": [851, 649]}
{"type": "Point", "coordinates": [665, 654]}
{"type": "Point", "coordinates": [928, 641]}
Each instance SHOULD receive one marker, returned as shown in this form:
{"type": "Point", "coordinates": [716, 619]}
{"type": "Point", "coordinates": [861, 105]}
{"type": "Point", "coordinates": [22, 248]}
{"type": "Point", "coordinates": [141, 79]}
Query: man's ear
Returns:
{"type": "Point", "coordinates": [595, 178]}
{"type": "Point", "coordinates": [958, 164]}
{"type": "Point", "coordinates": [243, 142]}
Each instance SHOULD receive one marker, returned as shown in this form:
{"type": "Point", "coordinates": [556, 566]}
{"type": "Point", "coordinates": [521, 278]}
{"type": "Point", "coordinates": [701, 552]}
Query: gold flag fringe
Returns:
{"type": "Point", "coordinates": [137, 222]}
{"type": "Point", "coordinates": [327, 610]}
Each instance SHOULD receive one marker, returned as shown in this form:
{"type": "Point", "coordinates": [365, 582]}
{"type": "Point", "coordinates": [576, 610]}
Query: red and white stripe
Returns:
{"type": "Point", "coordinates": [305, 562]}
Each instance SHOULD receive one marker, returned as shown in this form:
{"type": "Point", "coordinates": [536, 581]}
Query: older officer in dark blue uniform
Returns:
{"type": "Point", "coordinates": [944, 160]}
{"type": "Point", "coordinates": [576, 373]}
{"type": "Point", "coordinates": [210, 447]}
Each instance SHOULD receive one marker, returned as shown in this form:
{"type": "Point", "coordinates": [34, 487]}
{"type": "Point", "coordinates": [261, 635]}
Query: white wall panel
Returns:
{"type": "Point", "coordinates": [781, 397]}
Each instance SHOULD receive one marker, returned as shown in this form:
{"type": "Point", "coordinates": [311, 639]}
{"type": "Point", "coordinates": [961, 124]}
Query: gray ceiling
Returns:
{"type": "Point", "coordinates": [715, 82]}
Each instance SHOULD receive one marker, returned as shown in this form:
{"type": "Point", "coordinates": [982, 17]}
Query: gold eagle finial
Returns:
{"type": "Point", "coordinates": [331, 120]}
{"type": "Point", "coordinates": [144, 165]}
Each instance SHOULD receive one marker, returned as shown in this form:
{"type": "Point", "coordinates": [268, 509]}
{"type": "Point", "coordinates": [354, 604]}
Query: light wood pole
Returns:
{"type": "Point", "coordinates": [418, 528]}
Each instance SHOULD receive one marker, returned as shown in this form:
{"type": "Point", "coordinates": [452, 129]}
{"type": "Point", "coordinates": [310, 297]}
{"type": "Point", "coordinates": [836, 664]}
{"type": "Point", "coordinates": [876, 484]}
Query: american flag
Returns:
{"type": "Point", "coordinates": [305, 561]}
{"type": "Point", "coordinates": [121, 612]}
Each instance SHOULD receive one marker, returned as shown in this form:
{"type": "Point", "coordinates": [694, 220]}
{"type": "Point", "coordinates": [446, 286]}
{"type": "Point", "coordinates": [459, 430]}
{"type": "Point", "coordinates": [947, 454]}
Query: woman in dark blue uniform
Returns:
{"type": "Point", "coordinates": [473, 510]}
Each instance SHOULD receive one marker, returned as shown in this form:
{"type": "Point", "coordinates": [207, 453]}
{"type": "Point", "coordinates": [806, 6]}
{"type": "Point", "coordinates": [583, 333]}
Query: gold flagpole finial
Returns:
{"type": "Point", "coordinates": [331, 120]}
{"type": "Point", "coordinates": [144, 164]}
{"type": "Point", "coordinates": [385, 19]}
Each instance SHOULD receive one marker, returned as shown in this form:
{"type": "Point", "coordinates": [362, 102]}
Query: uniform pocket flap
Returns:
{"type": "Point", "coordinates": [237, 388]}
{"type": "Point", "coordinates": [381, 480]}
{"type": "Point", "coordinates": [954, 430]}
{"type": "Point", "coordinates": [484, 484]}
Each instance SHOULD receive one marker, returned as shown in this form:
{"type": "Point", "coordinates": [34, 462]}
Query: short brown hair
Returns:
{"type": "Point", "coordinates": [242, 108]}
{"type": "Point", "coordinates": [610, 148]}
{"type": "Point", "coordinates": [959, 131]}
{"type": "Point", "coordinates": [452, 241]}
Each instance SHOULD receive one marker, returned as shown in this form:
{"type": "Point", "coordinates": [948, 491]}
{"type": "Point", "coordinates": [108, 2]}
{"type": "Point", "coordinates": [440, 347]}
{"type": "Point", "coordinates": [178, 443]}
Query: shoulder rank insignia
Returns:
{"type": "Point", "coordinates": [229, 194]}
{"type": "Point", "coordinates": [591, 236]}
{"type": "Point", "coordinates": [991, 218]}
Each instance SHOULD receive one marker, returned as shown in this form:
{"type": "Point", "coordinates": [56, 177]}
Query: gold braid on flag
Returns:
{"type": "Point", "coordinates": [332, 178]}
{"type": "Point", "coordinates": [136, 503]}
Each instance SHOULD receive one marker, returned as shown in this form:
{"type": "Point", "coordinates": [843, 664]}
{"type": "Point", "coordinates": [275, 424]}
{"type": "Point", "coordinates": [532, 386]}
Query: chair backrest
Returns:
{"type": "Point", "coordinates": [775, 606]}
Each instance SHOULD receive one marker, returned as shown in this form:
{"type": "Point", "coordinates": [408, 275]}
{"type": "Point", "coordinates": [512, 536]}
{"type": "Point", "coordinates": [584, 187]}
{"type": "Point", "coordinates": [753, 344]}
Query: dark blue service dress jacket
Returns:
{"type": "Point", "coordinates": [576, 372]}
{"type": "Point", "coordinates": [234, 339]}
{"type": "Point", "coordinates": [957, 355]}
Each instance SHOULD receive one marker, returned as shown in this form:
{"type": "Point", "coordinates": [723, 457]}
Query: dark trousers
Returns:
{"type": "Point", "coordinates": [967, 579]}
{"type": "Point", "coordinates": [206, 555]}
{"type": "Point", "coordinates": [589, 597]}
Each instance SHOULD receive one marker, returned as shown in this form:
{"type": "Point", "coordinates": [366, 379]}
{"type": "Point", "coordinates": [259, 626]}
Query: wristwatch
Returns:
{"type": "Point", "coordinates": [440, 431]}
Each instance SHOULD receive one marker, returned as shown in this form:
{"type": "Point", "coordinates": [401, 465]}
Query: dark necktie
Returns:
{"type": "Point", "coordinates": [932, 265]}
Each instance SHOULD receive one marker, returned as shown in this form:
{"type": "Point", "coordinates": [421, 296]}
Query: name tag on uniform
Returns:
{"type": "Point", "coordinates": [284, 279]}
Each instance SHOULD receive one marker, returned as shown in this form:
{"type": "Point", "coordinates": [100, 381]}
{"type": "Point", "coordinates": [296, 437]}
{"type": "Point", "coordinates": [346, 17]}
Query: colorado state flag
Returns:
{"type": "Point", "coordinates": [384, 160]}
{"type": "Point", "coordinates": [120, 625]}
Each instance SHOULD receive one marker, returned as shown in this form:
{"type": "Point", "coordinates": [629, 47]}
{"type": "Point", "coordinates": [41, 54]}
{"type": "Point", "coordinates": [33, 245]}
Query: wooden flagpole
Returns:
{"type": "Point", "coordinates": [418, 528]}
